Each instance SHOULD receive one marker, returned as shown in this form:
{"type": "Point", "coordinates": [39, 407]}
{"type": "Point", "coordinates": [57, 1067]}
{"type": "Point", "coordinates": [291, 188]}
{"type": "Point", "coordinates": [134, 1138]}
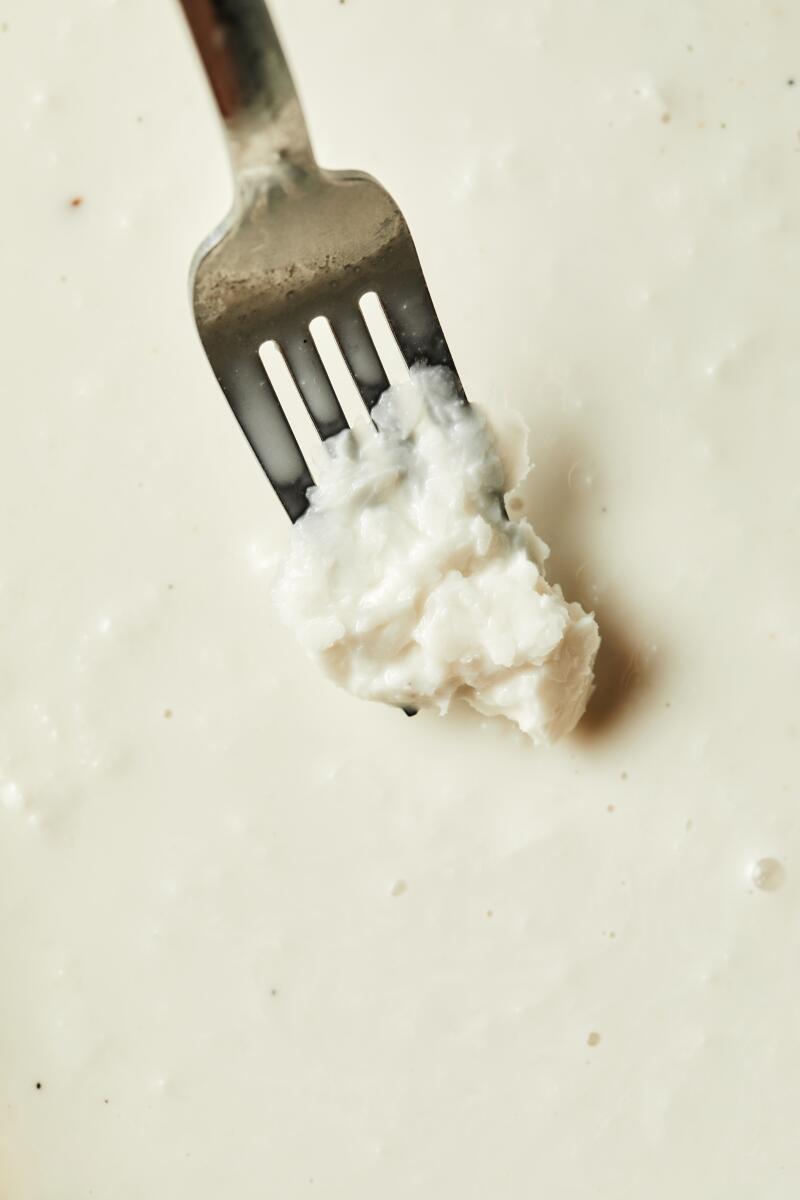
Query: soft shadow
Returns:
{"type": "Point", "coordinates": [621, 677]}
{"type": "Point", "coordinates": [562, 510]}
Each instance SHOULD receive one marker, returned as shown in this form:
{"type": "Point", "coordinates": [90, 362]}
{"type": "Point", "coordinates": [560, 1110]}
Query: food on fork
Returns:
{"type": "Point", "coordinates": [408, 583]}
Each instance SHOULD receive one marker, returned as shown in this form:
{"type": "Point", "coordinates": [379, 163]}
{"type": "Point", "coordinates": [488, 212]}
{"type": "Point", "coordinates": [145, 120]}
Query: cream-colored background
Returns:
{"type": "Point", "coordinates": [205, 956]}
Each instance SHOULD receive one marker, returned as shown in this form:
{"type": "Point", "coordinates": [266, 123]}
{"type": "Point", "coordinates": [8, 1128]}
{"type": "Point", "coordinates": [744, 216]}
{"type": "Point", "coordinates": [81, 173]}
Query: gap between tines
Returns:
{"type": "Point", "coordinates": [293, 407]}
{"type": "Point", "coordinates": [383, 339]}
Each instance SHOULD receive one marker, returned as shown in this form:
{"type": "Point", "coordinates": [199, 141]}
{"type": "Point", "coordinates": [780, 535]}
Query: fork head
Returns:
{"type": "Point", "coordinates": [310, 245]}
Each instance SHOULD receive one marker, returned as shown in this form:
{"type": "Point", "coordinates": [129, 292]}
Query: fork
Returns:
{"type": "Point", "coordinates": [299, 243]}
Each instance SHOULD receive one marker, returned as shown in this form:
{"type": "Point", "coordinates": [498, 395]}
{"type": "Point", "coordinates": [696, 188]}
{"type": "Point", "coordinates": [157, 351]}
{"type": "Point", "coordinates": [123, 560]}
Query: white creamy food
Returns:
{"type": "Point", "coordinates": [408, 583]}
{"type": "Point", "coordinates": [257, 937]}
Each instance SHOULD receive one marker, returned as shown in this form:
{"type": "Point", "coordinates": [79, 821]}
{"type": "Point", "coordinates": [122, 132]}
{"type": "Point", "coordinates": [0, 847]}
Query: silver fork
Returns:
{"type": "Point", "coordinates": [300, 242]}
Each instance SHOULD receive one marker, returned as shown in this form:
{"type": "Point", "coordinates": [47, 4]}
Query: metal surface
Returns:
{"type": "Point", "coordinates": [299, 243]}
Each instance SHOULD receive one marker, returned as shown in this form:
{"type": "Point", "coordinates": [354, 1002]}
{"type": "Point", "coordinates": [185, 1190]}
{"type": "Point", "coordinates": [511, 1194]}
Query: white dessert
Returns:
{"type": "Point", "coordinates": [259, 938]}
{"type": "Point", "coordinates": [408, 583]}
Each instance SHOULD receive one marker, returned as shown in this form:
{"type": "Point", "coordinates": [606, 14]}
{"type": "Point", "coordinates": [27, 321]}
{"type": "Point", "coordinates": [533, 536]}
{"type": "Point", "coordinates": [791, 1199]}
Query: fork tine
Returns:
{"type": "Point", "coordinates": [355, 342]}
{"type": "Point", "coordinates": [415, 325]}
{"type": "Point", "coordinates": [313, 384]}
{"type": "Point", "coordinates": [257, 409]}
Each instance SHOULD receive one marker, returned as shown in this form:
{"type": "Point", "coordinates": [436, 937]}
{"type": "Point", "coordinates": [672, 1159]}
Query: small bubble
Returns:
{"type": "Point", "coordinates": [593, 1039]}
{"type": "Point", "coordinates": [581, 477]}
{"type": "Point", "coordinates": [768, 874]}
{"type": "Point", "coordinates": [399, 887]}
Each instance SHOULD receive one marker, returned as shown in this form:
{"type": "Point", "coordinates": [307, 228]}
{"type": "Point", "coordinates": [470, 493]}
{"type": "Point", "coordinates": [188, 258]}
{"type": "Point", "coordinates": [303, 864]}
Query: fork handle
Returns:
{"type": "Point", "coordinates": [252, 84]}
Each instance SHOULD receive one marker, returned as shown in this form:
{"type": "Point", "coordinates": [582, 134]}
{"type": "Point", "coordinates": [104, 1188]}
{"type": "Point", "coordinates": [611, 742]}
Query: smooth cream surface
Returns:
{"type": "Point", "coordinates": [258, 938]}
{"type": "Point", "coordinates": [409, 585]}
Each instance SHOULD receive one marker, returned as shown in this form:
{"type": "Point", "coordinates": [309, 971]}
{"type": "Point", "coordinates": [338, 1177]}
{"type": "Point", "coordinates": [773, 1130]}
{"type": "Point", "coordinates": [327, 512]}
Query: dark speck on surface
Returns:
{"type": "Point", "coordinates": [76, 202]}
{"type": "Point", "coordinates": [38, 1086]}
{"type": "Point", "coordinates": [791, 82]}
